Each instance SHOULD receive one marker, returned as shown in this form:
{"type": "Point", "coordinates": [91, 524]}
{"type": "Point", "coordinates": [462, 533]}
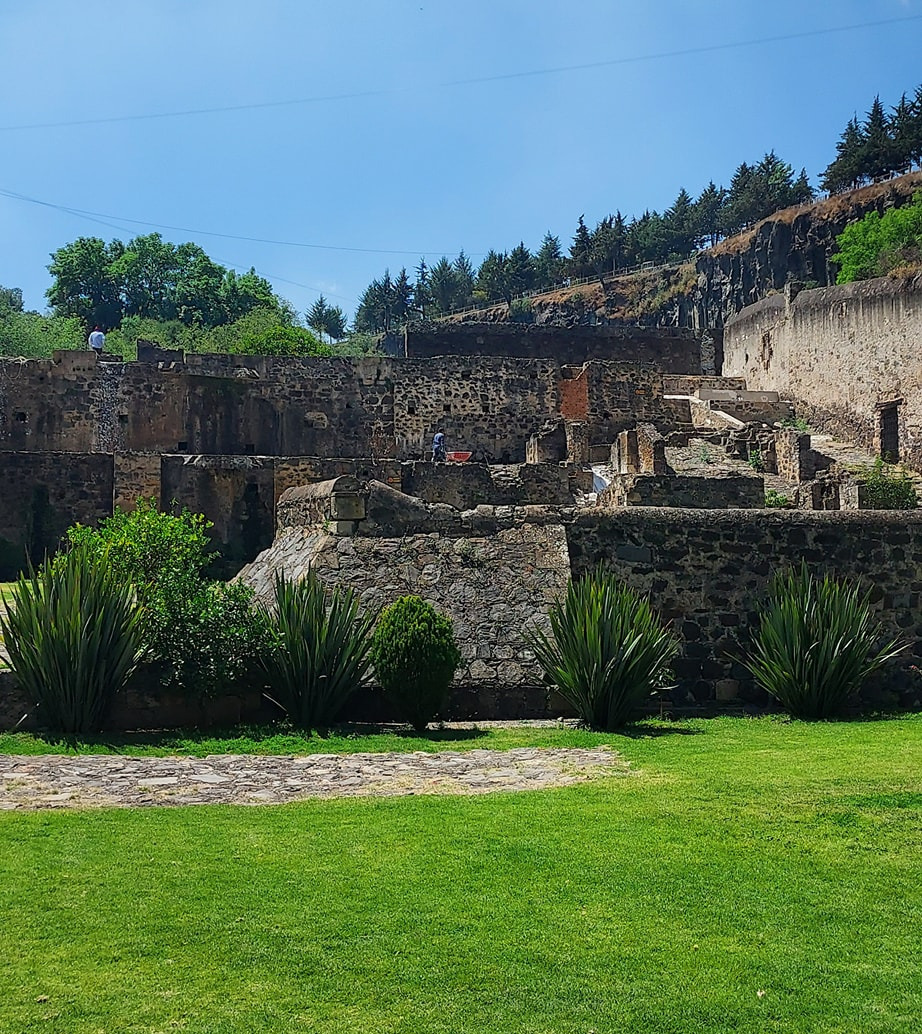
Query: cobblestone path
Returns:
{"type": "Point", "coordinates": [97, 780]}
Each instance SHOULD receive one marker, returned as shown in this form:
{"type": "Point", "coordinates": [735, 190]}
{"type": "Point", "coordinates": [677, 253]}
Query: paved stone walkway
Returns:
{"type": "Point", "coordinates": [99, 780]}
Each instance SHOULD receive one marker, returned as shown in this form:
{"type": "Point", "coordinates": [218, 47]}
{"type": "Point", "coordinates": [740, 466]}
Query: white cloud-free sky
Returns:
{"type": "Point", "coordinates": [395, 149]}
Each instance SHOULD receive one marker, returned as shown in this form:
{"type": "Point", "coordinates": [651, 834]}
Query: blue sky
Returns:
{"type": "Point", "coordinates": [396, 151]}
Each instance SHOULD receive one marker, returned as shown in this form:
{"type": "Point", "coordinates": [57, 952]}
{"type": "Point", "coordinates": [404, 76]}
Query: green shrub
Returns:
{"type": "Point", "coordinates": [816, 644]}
{"type": "Point", "coordinates": [607, 652]}
{"type": "Point", "coordinates": [522, 310]}
{"type": "Point", "coordinates": [887, 489]}
{"type": "Point", "coordinates": [204, 636]}
{"type": "Point", "coordinates": [320, 650]}
{"type": "Point", "coordinates": [877, 244]}
{"type": "Point", "coordinates": [755, 460]}
{"type": "Point", "coordinates": [74, 636]}
{"type": "Point", "coordinates": [776, 499]}
{"type": "Point", "coordinates": [415, 658]}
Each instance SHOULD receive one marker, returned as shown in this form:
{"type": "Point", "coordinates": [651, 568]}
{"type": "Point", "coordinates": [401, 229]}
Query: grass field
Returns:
{"type": "Point", "coordinates": [753, 875]}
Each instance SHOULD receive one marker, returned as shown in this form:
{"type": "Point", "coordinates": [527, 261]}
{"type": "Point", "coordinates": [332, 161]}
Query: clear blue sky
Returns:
{"type": "Point", "coordinates": [395, 151]}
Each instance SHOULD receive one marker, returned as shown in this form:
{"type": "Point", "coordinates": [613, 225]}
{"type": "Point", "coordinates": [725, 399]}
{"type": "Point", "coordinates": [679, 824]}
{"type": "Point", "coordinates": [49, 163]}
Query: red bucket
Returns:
{"type": "Point", "coordinates": [457, 457]}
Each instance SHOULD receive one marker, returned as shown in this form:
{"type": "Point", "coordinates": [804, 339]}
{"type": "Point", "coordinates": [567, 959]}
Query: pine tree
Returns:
{"type": "Point", "coordinates": [422, 299]}
{"type": "Point", "coordinates": [679, 226]}
{"type": "Point", "coordinates": [708, 209]}
{"type": "Point", "coordinates": [443, 286]}
{"type": "Point", "coordinates": [581, 250]}
{"type": "Point", "coordinates": [318, 315]}
{"type": "Point", "coordinates": [464, 279]}
{"type": "Point", "coordinates": [901, 127]}
{"type": "Point", "coordinates": [845, 171]}
{"type": "Point", "coordinates": [403, 297]}
{"type": "Point", "coordinates": [877, 154]}
{"type": "Point", "coordinates": [548, 262]}
{"type": "Point", "coordinates": [520, 270]}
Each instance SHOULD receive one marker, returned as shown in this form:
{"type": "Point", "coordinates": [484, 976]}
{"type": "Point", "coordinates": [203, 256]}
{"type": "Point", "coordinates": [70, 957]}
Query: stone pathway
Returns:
{"type": "Point", "coordinates": [101, 780]}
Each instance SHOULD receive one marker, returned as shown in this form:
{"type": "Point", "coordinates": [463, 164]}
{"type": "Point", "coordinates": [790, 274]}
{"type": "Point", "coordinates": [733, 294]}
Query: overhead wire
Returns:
{"type": "Point", "coordinates": [476, 80]}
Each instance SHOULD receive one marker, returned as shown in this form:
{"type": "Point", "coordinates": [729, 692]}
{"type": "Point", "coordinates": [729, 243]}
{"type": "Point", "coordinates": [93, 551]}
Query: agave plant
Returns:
{"type": "Point", "coordinates": [320, 654]}
{"type": "Point", "coordinates": [816, 644]}
{"type": "Point", "coordinates": [607, 652]}
{"type": "Point", "coordinates": [73, 634]}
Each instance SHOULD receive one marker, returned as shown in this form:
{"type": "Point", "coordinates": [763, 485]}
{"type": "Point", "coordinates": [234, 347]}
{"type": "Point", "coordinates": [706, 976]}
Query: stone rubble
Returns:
{"type": "Point", "coordinates": [28, 783]}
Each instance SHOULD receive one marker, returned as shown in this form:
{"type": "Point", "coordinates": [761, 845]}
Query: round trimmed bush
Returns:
{"type": "Point", "coordinates": [415, 658]}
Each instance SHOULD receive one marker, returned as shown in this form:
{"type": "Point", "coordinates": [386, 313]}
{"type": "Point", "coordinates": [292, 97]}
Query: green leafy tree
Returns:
{"type": "Point", "coordinates": [318, 315]}
{"type": "Point", "coordinates": [874, 245]}
{"type": "Point", "coordinates": [846, 169]}
{"type": "Point", "coordinates": [464, 279]}
{"type": "Point", "coordinates": [403, 297]}
{"type": "Point", "coordinates": [520, 269]}
{"type": "Point", "coordinates": [492, 278]}
{"type": "Point", "coordinates": [10, 299]}
{"type": "Point", "coordinates": [580, 262]}
{"type": "Point", "coordinates": [335, 323]}
{"type": "Point", "coordinates": [877, 153]}
{"type": "Point", "coordinates": [679, 225]}
{"type": "Point", "coordinates": [708, 215]}
{"type": "Point", "coordinates": [84, 284]}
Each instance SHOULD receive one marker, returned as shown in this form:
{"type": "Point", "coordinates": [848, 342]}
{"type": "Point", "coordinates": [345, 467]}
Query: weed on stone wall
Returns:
{"type": "Point", "coordinates": [884, 488]}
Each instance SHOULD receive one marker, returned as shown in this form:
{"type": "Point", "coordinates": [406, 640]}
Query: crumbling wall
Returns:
{"type": "Point", "coordinates": [715, 492]}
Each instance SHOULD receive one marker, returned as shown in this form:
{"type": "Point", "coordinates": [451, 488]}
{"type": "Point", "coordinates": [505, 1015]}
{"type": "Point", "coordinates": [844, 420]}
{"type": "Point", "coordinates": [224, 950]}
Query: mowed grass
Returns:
{"type": "Point", "coordinates": [280, 739]}
{"type": "Point", "coordinates": [752, 875]}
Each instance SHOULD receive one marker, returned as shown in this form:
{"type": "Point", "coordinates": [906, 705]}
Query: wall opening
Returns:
{"type": "Point", "coordinates": [888, 423]}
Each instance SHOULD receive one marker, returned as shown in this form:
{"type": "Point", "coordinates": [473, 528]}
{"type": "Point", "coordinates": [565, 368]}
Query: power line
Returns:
{"type": "Point", "coordinates": [115, 226]}
{"type": "Point", "coordinates": [102, 216]}
{"type": "Point", "coordinates": [561, 69]}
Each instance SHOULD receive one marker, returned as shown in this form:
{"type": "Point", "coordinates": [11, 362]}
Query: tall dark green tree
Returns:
{"type": "Point", "coordinates": [548, 262]}
{"type": "Point", "coordinates": [443, 286]}
{"type": "Point", "coordinates": [878, 153]}
{"type": "Point", "coordinates": [520, 269]}
{"type": "Point", "coordinates": [580, 263]}
{"type": "Point", "coordinates": [845, 171]}
{"type": "Point", "coordinates": [464, 279]}
{"type": "Point", "coordinates": [708, 216]}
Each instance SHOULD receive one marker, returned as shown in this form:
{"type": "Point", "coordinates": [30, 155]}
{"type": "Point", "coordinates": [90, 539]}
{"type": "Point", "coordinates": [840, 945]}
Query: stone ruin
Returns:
{"type": "Point", "coordinates": [641, 458]}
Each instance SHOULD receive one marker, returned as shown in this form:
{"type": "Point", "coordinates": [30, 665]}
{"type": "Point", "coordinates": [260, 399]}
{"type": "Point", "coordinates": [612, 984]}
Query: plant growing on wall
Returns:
{"type": "Point", "coordinates": [74, 635]}
{"type": "Point", "coordinates": [608, 650]}
{"type": "Point", "coordinates": [320, 650]}
{"type": "Point", "coordinates": [415, 657]}
{"type": "Point", "coordinates": [816, 644]}
{"type": "Point", "coordinates": [886, 489]}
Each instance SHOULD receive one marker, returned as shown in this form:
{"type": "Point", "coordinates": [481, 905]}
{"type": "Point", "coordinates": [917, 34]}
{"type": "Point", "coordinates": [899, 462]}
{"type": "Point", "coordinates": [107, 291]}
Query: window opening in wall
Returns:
{"type": "Point", "coordinates": [182, 447]}
{"type": "Point", "coordinates": [123, 418]}
{"type": "Point", "coordinates": [889, 432]}
{"type": "Point", "coordinates": [411, 410]}
{"type": "Point", "coordinates": [21, 418]}
{"type": "Point", "coordinates": [447, 407]}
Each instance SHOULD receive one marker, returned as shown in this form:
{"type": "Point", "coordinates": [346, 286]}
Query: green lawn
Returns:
{"type": "Point", "coordinates": [753, 876]}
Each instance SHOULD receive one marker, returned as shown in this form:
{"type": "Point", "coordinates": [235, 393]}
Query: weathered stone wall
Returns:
{"type": "Point", "coordinates": [43, 494]}
{"type": "Point", "coordinates": [708, 572]}
{"type": "Point", "coordinates": [466, 485]}
{"type": "Point", "coordinates": [375, 408]}
{"type": "Point", "coordinates": [670, 350]}
{"type": "Point", "coordinates": [714, 492]}
{"type": "Point", "coordinates": [842, 354]}
{"type": "Point", "coordinates": [137, 476]}
{"type": "Point", "coordinates": [493, 586]}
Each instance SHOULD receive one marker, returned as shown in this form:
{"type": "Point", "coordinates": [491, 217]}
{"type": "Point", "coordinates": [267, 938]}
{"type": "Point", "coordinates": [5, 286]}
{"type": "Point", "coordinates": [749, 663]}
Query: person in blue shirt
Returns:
{"type": "Point", "coordinates": [438, 447]}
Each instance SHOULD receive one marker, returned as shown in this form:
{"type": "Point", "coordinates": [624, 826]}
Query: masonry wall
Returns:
{"type": "Point", "coordinates": [839, 353]}
{"type": "Point", "coordinates": [672, 350]}
{"type": "Point", "coordinates": [708, 572]}
{"type": "Point", "coordinates": [43, 494]}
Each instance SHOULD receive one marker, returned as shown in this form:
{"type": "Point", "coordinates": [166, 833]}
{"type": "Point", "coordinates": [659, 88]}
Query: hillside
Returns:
{"type": "Point", "coordinates": [795, 243]}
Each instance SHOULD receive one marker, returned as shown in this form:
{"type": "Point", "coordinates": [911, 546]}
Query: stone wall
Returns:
{"type": "Point", "coordinates": [466, 485]}
{"type": "Point", "coordinates": [374, 408]}
{"type": "Point", "coordinates": [848, 357]}
{"type": "Point", "coordinates": [708, 572]}
{"type": "Point", "coordinates": [494, 586]}
{"type": "Point", "coordinates": [670, 349]}
{"type": "Point", "coordinates": [712, 492]}
{"type": "Point", "coordinates": [43, 494]}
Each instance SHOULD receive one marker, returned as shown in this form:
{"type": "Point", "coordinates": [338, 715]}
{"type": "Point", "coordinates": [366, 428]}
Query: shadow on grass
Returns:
{"type": "Point", "coordinates": [280, 735]}
{"type": "Point", "coordinates": [664, 727]}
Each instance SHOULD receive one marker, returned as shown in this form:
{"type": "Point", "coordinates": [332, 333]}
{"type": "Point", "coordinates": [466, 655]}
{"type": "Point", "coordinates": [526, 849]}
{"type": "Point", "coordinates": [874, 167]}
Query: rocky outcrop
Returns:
{"type": "Point", "coordinates": [795, 244]}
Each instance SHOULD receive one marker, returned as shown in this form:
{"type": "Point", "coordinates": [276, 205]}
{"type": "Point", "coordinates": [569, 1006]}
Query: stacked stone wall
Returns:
{"type": "Point", "coordinates": [671, 349]}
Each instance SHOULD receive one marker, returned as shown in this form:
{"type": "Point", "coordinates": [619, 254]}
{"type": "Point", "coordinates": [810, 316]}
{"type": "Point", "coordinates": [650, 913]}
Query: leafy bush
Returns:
{"type": "Point", "coordinates": [415, 657]}
{"type": "Point", "coordinates": [522, 310]}
{"type": "Point", "coordinates": [73, 632]}
{"type": "Point", "coordinates": [756, 461]}
{"type": "Point", "coordinates": [816, 644]}
{"type": "Point", "coordinates": [796, 423]}
{"type": "Point", "coordinates": [887, 489]}
{"type": "Point", "coordinates": [204, 635]}
{"type": "Point", "coordinates": [320, 650]}
{"type": "Point", "coordinates": [607, 651]}
{"type": "Point", "coordinates": [776, 499]}
{"type": "Point", "coordinates": [876, 244]}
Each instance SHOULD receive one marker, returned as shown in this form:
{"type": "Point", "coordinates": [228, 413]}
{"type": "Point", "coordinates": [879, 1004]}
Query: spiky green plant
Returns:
{"type": "Point", "coordinates": [817, 643]}
{"type": "Point", "coordinates": [73, 634]}
{"type": "Point", "coordinates": [319, 656]}
{"type": "Point", "coordinates": [415, 657]}
{"type": "Point", "coordinates": [608, 650]}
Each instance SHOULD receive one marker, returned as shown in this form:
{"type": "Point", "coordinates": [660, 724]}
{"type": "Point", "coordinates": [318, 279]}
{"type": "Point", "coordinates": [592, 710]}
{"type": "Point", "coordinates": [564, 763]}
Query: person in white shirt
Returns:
{"type": "Point", "coordinates": [97, 340]}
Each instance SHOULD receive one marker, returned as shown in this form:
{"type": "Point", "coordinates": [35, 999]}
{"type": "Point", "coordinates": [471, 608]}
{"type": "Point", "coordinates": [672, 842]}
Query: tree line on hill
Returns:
{"type": "Point", "coordinates": [613, 244]}
{"type": "Point", "coordinates": [877, 147]}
